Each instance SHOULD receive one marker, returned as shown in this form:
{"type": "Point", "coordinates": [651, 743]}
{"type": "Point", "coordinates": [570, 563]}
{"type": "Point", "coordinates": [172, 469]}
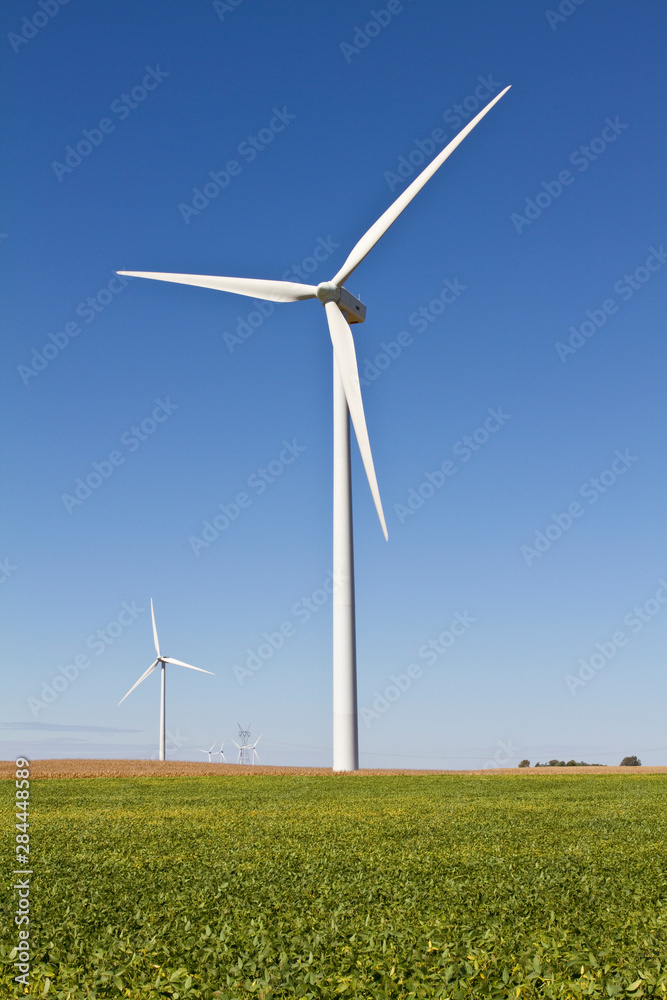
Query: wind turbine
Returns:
{"type": "Point", "coordinates": [254, 752]}
{"type": "Point", "coordinates": [244, 750]}
{"type": "Point", "coordinates": [209, 752]}
{"type": "Point", "coordinates": [163, 661]}
{"type": "Point", "coordinates": [342, 309]}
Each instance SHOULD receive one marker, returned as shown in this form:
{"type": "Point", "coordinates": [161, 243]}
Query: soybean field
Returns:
{"type": "Point", "coordinates": [263, 886]}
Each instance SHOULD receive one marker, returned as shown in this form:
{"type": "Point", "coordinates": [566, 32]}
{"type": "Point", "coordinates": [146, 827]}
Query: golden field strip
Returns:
{"type": "Point", "coordinates": [75, 768]}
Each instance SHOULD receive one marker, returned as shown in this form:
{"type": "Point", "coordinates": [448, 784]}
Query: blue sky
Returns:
{"type": "Point", "coordinates": [515, 330]}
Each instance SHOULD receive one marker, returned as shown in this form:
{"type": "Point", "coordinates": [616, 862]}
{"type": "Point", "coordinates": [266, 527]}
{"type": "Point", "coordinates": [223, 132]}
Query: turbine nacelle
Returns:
{"type": "Point", "coordinates": [353, 309]}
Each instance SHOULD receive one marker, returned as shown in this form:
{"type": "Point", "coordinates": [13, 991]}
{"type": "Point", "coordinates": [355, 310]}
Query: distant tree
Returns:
{"type": "Point", "coordinates": [631, 762]}
{"type": "Point", "coordinates": [571, 763]}
{"type": "Point", "coordinates": [524, 763]}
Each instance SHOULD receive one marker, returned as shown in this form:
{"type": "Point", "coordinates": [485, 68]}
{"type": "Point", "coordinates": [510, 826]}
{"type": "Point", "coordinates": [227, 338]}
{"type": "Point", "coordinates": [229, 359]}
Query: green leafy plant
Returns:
{"type": "Point", "coordinates": [547, 887]}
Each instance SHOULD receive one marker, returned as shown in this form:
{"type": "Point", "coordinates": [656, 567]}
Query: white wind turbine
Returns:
{"type": "Point", "coordinates": [254, 752]}
{"type": "Point", "coordinates": [209, 752]}
{"type": "Point", "coordinates": [342, 309]}
{"type": "Point", "coordinates": [163, 661]}
{"type": "Point", "coordinates": [244, 749]}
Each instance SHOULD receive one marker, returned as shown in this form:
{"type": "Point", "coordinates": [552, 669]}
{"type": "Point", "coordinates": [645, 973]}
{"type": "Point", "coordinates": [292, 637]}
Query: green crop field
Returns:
{"type": "Point", "coordinates": [346, 886]}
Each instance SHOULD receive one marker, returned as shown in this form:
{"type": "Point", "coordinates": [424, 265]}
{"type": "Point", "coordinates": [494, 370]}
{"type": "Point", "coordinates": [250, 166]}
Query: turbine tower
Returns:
{"type": "Point", "coordinates": [342, 309]}
{"type": "Point", "coordinates": [163, 661]}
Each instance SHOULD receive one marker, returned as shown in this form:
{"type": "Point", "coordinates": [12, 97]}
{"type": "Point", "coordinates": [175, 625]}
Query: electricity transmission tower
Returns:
{"type": "Point", "coordinates": [243, 745]}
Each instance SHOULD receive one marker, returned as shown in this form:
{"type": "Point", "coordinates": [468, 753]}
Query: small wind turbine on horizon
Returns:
{"type": "Point", "coordinates": [163, 661]}
{"type": "Point", "coordinates": [209, 752]}
{"type": "Point", "coordinates": [254, 752]}
{"type": "Point", "coordinates": [342, 309]}
{"type": "Point", "coordinates": [244, 751]}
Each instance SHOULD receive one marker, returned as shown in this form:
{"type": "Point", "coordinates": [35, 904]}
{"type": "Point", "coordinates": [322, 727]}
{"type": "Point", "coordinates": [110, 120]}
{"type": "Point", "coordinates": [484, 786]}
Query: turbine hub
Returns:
{"type": "Point", "coordinates": [328, 292]}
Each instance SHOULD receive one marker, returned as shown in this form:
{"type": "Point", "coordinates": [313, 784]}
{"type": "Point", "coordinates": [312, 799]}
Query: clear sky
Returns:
{"type": "Point", "coordinates": [513, 361]}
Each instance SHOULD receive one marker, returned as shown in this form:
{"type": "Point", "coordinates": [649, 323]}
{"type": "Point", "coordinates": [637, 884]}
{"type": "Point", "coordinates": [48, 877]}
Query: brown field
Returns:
{"type": "Point", "coordinates": [74, 768]}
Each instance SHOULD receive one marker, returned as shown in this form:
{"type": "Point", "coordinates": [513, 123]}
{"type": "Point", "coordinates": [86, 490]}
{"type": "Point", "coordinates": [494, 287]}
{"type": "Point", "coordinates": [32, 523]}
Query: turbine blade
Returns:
{"type": "Point", "coordinates": [255, 288]}
{"type": "Point", "coordinates": [142, 678]}
{"type": "Point", "coordinates": [379, 228]}
{"type": "Point", "coordinates": [179, 663]}
{"type": "Point", "coordinates": [346, 359]}
{"type": "Point", "coordinates": [155, 638]}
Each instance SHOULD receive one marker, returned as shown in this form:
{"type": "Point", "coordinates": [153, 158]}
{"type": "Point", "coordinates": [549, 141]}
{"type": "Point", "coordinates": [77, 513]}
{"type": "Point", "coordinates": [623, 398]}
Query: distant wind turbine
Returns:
{"type": "Point", "coordinates": [163, 661]}
{"type": "Point", "coordinates": [245, 750]}
{"type": "Point", "coordinates": [209, 752]}
{"type": "Point", "coordinates": [254, 752]}
{"type": "Point", "coordinates": [342, 309]}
